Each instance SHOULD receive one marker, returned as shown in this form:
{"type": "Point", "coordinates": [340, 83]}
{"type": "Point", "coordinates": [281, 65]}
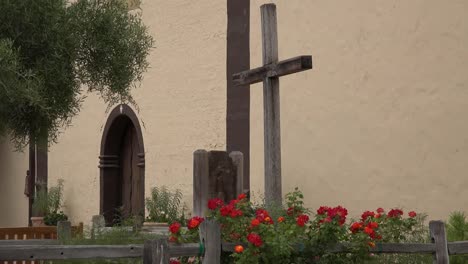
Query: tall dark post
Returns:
{"type": "Point", "coordinates": [32, 178]}
{"type": "Point", "coordinates": [238, 98]}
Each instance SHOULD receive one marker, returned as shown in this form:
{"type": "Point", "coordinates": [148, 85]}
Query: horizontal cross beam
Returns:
{"type": "Point", "coordinates": [296, 64]}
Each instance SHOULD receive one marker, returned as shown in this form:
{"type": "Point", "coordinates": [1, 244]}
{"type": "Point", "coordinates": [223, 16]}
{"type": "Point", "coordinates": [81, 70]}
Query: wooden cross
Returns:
{"type": "Point", "coordinates": [269, 73]}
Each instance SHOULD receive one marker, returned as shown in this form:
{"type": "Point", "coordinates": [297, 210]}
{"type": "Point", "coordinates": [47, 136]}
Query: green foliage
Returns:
{"type": "Point", "coordinates": [48, 203]}
{"type": "Point", "coordinates": [49, 49]}
{"type": "Point", "coordinates": [457, 230]}
{"type": "Point", "coordinates": [294, 237]}
{"type": "Point", "coordinates": [51, 219]}
{"type": "Point", "coordinates": [165, 206]}
{"type": "Point", "coordinates": [40, 205]}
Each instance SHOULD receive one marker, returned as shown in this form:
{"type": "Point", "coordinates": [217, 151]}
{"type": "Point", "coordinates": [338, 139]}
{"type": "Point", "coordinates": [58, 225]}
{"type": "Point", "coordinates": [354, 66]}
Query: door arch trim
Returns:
{"type": "Point", "coordinates": [110, 147]}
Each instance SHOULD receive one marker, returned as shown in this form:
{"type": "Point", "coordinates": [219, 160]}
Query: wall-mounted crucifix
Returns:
{"type": "Point", "coordinates": [269, 73]}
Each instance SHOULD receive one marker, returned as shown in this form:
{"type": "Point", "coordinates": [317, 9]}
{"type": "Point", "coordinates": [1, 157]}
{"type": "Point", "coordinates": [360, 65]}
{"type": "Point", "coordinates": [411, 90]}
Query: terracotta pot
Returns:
{"type": "Point", "coordinates": [37, 221]}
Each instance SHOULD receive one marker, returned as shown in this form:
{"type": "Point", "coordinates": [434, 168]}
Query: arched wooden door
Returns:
{"type": "Point", "coordinates": [121, 166]}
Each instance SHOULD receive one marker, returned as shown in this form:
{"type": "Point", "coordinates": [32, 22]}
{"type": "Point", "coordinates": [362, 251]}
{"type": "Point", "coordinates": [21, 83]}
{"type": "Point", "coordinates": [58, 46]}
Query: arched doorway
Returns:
{"type": "Point", "coordinates": [122, 166]}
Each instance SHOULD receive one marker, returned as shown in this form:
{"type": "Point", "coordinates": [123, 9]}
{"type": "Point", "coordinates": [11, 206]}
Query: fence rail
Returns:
{"type": "Point", "coordinates": [160, 251]}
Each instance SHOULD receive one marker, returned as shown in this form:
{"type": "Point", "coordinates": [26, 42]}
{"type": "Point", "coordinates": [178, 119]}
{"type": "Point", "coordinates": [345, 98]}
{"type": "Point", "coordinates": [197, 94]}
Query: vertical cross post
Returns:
{"type": "Point", "coordinates": [269, 74]}
{"type": "Point", "coordinates": [271, 108]}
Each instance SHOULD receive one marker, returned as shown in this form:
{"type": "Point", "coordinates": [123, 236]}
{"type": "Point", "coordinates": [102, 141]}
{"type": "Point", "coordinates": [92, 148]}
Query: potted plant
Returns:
{"type": "Point", "coordinates": [55, 198]}
{"type": "Point", "coordinates": [164, 206]}
{"type": "Point", "coordinates": [39, 208]}
{"type": "Point", "coordinates": [46, 206]}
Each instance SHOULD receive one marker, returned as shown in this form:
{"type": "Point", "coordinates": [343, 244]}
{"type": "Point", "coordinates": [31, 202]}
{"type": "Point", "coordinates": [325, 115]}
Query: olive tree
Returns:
{"type": "Point", "coordinates": [52, 52]}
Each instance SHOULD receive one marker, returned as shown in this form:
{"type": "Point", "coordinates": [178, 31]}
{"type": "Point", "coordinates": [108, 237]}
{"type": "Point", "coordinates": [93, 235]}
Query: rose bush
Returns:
{"type": "Point", "coordinates": [293, 234]}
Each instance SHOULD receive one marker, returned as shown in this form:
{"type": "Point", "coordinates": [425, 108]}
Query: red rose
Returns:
{"type": "Point", "coordinates": [174, 228]}
{"type": "Point", "coordinates": [412, 214]}
{"type": "Point", "coordinates": [368, 230]}
{"type": "Point", "coordinates": [395, 213]}
{"type": "Point", "coordinates": [172, 239]}
{"type": "Point", "coordinates": [194, 222]}
{"type": "Point", "coordinates": [280, 219]}
{"type": "Point", "coordinates": [322, 210]}
{"type": "Point", "coordinates": [215, 203]}
{"type": "Point", "coordinates": [241, 196]}
{"type": "Point", "coordinates": [302, 220]}
{"type": "Point", "coordinates": [261, 214]}
{"type": "Point", "coordinates": [373, 225]}
{"type": "Point", "coordinates": [355, 227]}
{"type": "Point", "coordinates": [380, 210]}
{"type": "Point", "coordinates": [255, 222]}
{"type": "Point", "coordinates": [366, 215]}
{"type": "Point", "coordinates": [226, 210]}
{"type": "Point", "coordinates": [255, 239]}
{"type": "Point", "coordinates": [174, 261]}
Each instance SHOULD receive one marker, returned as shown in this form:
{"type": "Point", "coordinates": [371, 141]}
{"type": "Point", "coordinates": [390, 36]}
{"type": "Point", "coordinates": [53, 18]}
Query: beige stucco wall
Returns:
{"type": "Point", "coordinates": [13, 202]}
{"type": "Point", "coordinates": [381, 119]}
{"type": "Point", "coordinates": [182, 105]}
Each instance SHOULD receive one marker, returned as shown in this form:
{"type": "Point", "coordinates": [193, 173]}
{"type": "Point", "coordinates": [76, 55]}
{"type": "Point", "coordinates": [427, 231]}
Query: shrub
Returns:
{"type": "Point", "coordinates": [457, 230]}
{"type": "Point", "coordinates": [294, 236]}
{"type": "Point", "coordinates": [165, 205]}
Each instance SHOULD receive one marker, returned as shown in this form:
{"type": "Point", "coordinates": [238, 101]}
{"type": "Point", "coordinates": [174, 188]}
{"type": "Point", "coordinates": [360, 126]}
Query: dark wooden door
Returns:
{"type": "Point", "coordinates": [132, 184]}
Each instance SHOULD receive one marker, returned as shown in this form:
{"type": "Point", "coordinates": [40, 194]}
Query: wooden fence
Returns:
{"type": "Point", "coordinates": [35, 232]}
{"type": "Point", "coordinates": [210, 247]}
{"type": "Point", "coordinates": [36, 235]}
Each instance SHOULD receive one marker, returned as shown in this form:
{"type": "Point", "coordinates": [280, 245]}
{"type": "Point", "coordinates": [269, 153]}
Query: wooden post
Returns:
{"type": "Point", "coordinates": [437, 230]}
{"type": "Point", "coordinates": [149, 252]}
{"type": "Point", "coordinates": [238, 160]}
{"type": "Point", "coordinates": [210, 234]}
{"type": "Point", "coordinates": [269, 73]}
{"type": "Point", "coordinates": [162, 252]}
{"type": "Point", "coordinates": [271, 108]}
{"type": "Point", "coordinates": [98, 222]}
{"type": "Point", "coordinates": [201, 170]}
{"type": "Point", "coordinates": [64, 230]}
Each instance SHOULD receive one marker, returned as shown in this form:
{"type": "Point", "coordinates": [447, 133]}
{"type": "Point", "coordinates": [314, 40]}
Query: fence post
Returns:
{"type": "Point", "coordinates": [437, 230]}
{"type": "Point", "coordinates": [98, 222]}
{"type": "Point", "coordinates": [63, 230]}
{"type": "Point", "coordinates": [210, 234]}
{"type": "Point", "coordinates": [149, 247]}
{"type": "Point", "coordinates": [238, 161]}
{"type": "Point", "coordinates": [162, 252]}
{"type": "Point", "coordinates": [201, 171]}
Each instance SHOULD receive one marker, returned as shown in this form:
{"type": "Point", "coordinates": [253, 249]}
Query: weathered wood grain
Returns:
{"type": "Point", "coordinates": [437, 231]}
{"type": "Point", "coordinates": [282, 68]}
{"type": "Point", "coordinates": [181, 250]}
{"type": "Point", "coordinates": [29, 242]}
{"type": "Point", "coordinates": [271, 108]}
{"type": "Point", "coordinates": [238, 161]}
{"type": "Point", "coordinates": [162, 252]}
{"type": "Point", "coordinates": [201, 170]}
{"type": "Point", "coordinates": [458, 247]}
{"type": "Point", "coordinates": [51, 252]}
{"type": "Point", "coordinates": [148, 249]}
{"type": "Point", "coordinates": [210, 234]}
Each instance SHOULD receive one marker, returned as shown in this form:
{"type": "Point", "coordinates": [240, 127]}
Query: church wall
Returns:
{"type": "Point", "coordinates": [381, 119]}
{"type": "Point", "coordinates": [182, 106]}
{"type": "Point", "coordinates": [13, 202]}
